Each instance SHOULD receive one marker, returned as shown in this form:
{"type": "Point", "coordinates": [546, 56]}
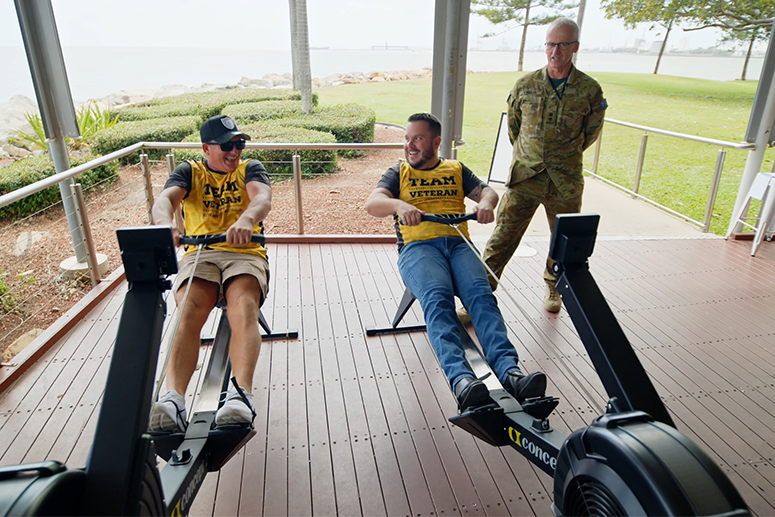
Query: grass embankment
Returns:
{"type": "Point", "coordinates": [677, 173]}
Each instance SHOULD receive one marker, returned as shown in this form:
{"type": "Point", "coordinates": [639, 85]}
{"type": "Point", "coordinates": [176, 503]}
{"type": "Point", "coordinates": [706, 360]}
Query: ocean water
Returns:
{"type": "Point", "coordinates": [96, 72]}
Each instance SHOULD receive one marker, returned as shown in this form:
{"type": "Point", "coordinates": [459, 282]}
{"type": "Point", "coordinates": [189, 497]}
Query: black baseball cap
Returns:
{"type": "Point", "coordinates": [220, 129]}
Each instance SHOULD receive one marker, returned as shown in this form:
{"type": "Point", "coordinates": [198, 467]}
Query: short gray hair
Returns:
{"type": "Point", "coordinates": [565, 22]}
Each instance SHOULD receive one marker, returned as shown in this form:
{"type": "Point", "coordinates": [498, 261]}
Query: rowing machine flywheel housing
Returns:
{"type": "Point", "coordinates": [629, 464]}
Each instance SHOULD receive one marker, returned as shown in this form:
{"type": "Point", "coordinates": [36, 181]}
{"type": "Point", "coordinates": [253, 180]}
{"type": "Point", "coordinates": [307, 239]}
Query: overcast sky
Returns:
{"type": "Point", "coordinates": [263, 24]}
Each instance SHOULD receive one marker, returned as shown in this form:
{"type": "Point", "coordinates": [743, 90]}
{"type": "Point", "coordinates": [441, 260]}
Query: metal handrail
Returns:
{"type": "Point", "coordinates": [705, 224]}
{"type": "Point", "coordinates": [43, 184]}
{"type": "Point", "coordinates": [745, 146]}
{"type": "Point", "coordinates": [25, 191]}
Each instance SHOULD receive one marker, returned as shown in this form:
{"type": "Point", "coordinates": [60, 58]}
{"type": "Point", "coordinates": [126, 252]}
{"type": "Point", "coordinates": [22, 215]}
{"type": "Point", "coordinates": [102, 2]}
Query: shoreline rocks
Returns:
{"type": "Point", "coordinates": [12, 113]}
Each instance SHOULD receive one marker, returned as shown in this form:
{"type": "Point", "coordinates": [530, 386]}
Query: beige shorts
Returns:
{"type": "Point", "coordinates": [218, 266]}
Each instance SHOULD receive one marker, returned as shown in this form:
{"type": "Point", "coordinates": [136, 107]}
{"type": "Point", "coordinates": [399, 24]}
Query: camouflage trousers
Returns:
{"type": "Point", "coordinates": [515, 211]}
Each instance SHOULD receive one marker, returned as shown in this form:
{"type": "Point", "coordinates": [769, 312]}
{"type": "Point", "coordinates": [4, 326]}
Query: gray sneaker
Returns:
{"type": "Point", "coordinates": [234, 410]}
{"type": "Point", "coordinates": [169, 413]}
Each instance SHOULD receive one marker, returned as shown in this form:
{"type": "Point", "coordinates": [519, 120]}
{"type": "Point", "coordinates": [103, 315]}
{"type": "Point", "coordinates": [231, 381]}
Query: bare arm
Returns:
{"type": "Point", "coordinates": [381, 203]}
{"type": "Point", "coordinates": [260, 195]}
{"type": "Point", "coordinates": [486, 199]}
{"type": "Point", "coordinates": [163, 211]}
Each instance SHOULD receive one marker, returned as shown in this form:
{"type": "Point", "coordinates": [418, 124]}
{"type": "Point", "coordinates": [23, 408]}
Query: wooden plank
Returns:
{"type": "Point", "coordinates": [320, 465]}
{"type": "Point", "coordinates": [392, 491]}
{"type": "Point", "coordinates": [254, 468]}
{"type": "Point", "coordinates": [227, 494]}
{"type": "Point", "coordinates": [275, 497]}
{"type": "Point", "coordinates": [414, 483]}
{"type": "Point", "coordinates": [56, 394]}
{"type": "Point", "coordinates": [343, 411]}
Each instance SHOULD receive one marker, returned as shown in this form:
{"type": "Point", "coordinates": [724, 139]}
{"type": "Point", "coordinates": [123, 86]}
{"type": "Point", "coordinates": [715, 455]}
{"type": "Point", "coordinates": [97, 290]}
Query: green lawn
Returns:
{"type": "Point", "coordinates": [677, 173]}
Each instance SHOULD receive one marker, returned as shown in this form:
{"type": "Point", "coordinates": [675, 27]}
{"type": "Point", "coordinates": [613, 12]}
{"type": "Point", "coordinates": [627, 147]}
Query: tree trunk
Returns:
{"type": "Point", "coordinates": [294, 47]}
{"type": "Point", "coordinates": [524, 36]}
{"type": "Point", "coordinates": [662, 48]}
{"type": "Point", "coordinates": [580, 22]}
{"type": "Point", "coordinates": [302, 45]}
{"type": "Point", "coordinates": [748, 55]}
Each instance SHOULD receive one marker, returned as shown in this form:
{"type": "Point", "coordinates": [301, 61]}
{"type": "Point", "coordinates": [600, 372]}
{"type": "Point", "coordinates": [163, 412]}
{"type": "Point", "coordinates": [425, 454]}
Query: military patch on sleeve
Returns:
{"type": "Point", "coordinates": [604, 104]}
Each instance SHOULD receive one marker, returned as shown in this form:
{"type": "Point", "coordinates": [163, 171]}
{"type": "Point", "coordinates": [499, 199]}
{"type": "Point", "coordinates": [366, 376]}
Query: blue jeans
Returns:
{"type": "Point", "coordinates": [437, 270]}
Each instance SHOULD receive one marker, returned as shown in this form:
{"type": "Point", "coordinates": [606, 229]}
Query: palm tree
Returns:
{"type": "Point", "coordinates": [301, 52]}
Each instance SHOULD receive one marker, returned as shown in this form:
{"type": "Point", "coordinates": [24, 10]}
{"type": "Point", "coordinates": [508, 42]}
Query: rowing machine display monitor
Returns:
{"type": "Point", "coordinates": [574, 238]}
{"type": "Point", "coordinates": [148, 254]}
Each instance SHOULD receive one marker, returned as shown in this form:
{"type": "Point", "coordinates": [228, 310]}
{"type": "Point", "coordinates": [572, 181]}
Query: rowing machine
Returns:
{"type": "Point", "coordinates": [629, 461]}
{"type": "Point", "coordinates": [121, 476]}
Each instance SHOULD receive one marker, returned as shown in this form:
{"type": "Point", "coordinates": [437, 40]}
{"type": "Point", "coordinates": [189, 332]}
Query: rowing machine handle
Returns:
{"type": "Point", "coordinates": [195, 240]}
{"type": "Point", "coordinates": [449, 218]}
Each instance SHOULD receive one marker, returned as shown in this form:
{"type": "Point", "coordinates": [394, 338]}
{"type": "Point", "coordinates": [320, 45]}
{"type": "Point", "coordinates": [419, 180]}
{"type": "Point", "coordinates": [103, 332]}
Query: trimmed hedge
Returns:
{"type": "Point", "coordinates": [277, 161]}
{"type": "Point", "coordinates": [25, 172]}
{"type": "Point", "coordinates": [181, 106]}
{"type": "Point", "coordinates": [347, 122]}
{"type": "Point", "coordinates": [256, 111]}
{"type": "Point", "coordinates": [242, 95]}
{"type": "Point", "coordinates": [125, 134]}
{"type": "Point", "coordinates": [204, 105]}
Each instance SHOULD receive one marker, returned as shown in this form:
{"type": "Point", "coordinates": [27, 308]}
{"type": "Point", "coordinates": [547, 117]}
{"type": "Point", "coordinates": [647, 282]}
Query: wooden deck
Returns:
{"type": "Point", "coordinates": [355, 425]}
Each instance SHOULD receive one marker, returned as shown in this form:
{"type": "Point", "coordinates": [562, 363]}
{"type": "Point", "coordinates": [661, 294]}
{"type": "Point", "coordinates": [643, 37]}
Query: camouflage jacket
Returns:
{"type": "Point", "coordinates": [549, 133]}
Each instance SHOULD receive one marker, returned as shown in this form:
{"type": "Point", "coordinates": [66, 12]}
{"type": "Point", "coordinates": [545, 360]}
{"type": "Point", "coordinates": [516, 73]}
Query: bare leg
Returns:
{"type": "Point", "coordinates": [243, 300]}
{"type": "Point", "coordinates": [185, 347]}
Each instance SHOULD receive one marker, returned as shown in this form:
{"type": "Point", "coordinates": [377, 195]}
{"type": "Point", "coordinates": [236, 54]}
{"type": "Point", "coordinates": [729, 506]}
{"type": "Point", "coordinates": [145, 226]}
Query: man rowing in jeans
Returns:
{"type": "Point", "coordinates": [222, 193]}
{"type": "Point", "coordinates": [436, 264]}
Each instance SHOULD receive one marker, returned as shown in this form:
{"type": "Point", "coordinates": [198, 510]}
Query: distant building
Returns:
{"type": "Point", "coordinates": [655, 46]}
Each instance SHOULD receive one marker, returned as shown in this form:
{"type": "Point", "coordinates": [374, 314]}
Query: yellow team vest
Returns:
{"type": "Point", "coordinates": [436, 191]}
{"type": "Point", "coordinates": [215, 202]}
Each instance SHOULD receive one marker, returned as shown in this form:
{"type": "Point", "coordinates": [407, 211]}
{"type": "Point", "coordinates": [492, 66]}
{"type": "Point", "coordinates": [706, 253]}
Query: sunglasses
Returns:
{"type": "Point", "coordinates": [228, 146]}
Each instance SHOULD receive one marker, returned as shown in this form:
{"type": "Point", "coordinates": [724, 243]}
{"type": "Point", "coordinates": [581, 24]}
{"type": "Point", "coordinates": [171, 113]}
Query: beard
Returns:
{"type": "Point", "coordinates": [421, 161]}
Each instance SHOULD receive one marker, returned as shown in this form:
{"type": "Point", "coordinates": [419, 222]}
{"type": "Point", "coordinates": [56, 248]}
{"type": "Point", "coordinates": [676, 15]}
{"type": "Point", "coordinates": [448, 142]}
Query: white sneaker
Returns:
{"type": "Point", "coordinates": [169, 413]}
{"type": "Point", "coordinates": [234, 410]}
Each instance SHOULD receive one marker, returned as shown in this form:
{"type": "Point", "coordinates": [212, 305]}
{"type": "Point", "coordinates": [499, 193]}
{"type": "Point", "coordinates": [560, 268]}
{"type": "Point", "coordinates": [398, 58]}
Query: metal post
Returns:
{"type": "Point", "coordinates": [297, 188]}
{"type": "Point", "coordinates": [755, 157]}
{"type": "Point", "coordinates": [453, 153]}
{"type": "Point", "coordinates": [641, 159]}
{"type": "Point", "coordinates": [57, 149]}
{"type": "Point", "coordinates": [722, 154]}
{"type": "Point", "coordinates": [597, 151]}
{"type": "Point", "coordinates": [179, 212]}
{"type": "Point", "coordinates": [146, 167]}
{"type": "Point", "coordinates": [52, 90]}
{"type": "Point", "coordinates": [91, 252]}
{"type": "Point", "coordinates": [170, 162]}
{"type": "Point", "coordinates": [450, 69]}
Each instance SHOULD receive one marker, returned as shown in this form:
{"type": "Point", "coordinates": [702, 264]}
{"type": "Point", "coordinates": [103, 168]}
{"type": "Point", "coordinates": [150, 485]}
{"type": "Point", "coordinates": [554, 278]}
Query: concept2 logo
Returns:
{"type": "Point", "coordinates": [536, 450]}
{"type": "Point", "coordinates": [184, 504]}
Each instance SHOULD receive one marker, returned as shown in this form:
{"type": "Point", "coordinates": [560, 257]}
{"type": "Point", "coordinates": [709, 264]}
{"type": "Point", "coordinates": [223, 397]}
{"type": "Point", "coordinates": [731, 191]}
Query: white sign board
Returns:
{"type": "Point", "coordinates": [501, 156]}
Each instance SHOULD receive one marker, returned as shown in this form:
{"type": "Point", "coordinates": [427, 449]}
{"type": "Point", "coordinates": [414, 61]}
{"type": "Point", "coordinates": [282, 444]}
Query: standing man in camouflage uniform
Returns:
{"type": "Point", "coordinates": [554, 115]}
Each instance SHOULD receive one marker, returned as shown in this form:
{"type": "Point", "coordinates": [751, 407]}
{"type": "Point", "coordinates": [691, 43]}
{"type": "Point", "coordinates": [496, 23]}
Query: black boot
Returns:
{"type": "Point", "coordinates": [470, 393]}
{"type": "Point", "coordinates": [524, 387]}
